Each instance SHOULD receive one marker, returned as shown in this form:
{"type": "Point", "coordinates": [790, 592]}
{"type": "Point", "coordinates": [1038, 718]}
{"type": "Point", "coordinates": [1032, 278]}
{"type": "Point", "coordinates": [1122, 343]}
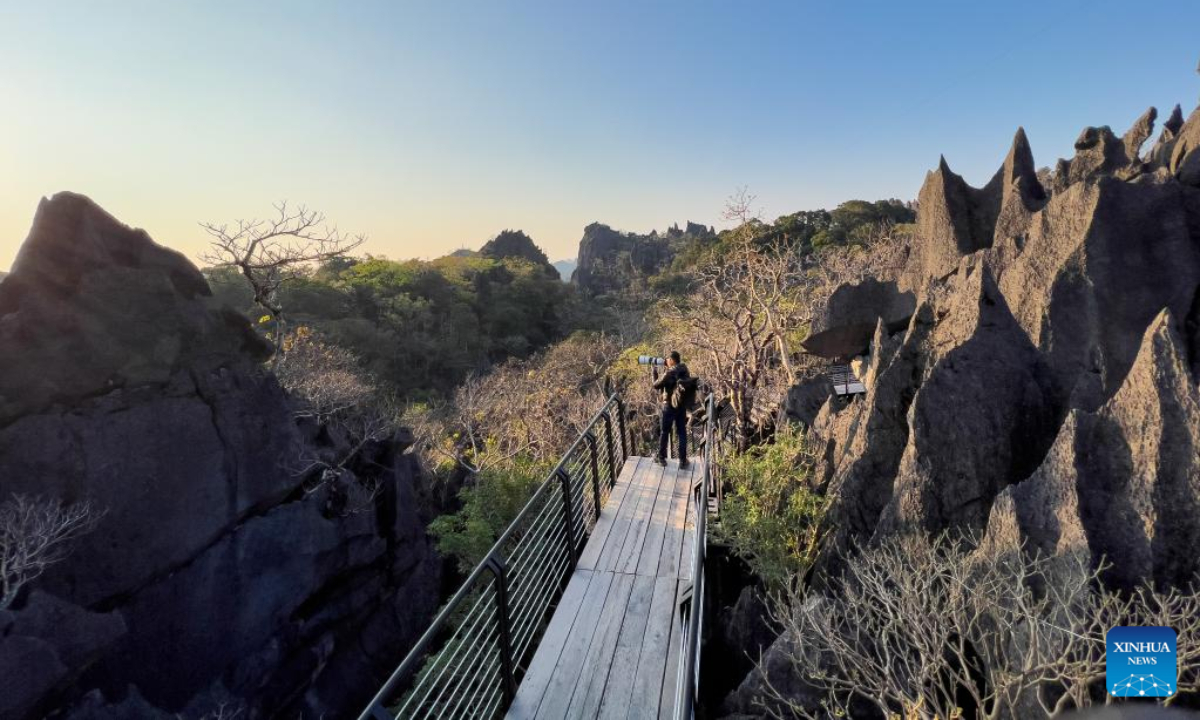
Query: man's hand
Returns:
{"type": "Point", "coordinates": [654, 371]}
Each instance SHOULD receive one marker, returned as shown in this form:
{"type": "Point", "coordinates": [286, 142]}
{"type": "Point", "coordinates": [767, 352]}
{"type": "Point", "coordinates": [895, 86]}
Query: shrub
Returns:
{"type": "Point", "coordinates": [488, 506]}
{"type": "Point", "coordinates": [772, 511]}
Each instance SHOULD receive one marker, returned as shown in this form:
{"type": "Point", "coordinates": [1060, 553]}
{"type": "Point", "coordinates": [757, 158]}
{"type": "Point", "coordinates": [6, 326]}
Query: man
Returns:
{"type": "Point", "coordinates": [671, 416]}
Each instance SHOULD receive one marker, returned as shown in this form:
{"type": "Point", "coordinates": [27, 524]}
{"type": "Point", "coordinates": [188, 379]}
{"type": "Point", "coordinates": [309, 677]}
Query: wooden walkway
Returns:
{"type": "Point", "coordinates": [611, 647]}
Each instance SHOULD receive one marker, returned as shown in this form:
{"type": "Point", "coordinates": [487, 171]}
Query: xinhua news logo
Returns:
{"type": "Point", "coordinates": [1140, 662]}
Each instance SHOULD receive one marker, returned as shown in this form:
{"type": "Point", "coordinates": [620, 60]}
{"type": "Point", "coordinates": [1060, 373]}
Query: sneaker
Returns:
{"type": "Point", "coordinates": [684, 464]}
{"type": "Point", "coordinates": [660, 461]}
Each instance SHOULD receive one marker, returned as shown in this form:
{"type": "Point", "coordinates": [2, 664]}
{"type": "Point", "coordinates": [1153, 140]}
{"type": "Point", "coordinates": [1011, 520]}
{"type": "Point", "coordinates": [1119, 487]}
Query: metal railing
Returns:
{"type": "Point", "coordinates": [690, 611]}
{"type": "Point", "coordinates": [470, 660]}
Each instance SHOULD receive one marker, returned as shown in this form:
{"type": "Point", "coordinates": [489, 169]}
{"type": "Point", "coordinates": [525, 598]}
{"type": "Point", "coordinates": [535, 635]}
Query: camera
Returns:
{"type": "Point", "coordinates": [651, 360]}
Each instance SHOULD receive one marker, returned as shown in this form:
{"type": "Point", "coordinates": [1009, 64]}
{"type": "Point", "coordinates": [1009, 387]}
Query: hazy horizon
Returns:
{"type": "Point", "coordinates": [432, 128]}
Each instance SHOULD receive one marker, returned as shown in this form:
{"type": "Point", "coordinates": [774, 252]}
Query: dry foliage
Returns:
{"type": "Point", "coordinates": [917, 626]}
{"type": "Point", "coordinates": [36, 533]}
{"type": "Point", "coordinates": [330, 387]}
{"type": "Point", "coordinates": [741, 318]}
{"type": "Point", "coordinates": [534, 408]}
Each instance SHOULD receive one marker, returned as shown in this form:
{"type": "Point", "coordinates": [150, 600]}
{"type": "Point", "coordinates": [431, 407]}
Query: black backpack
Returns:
{"type": "Point", "coordinates": [684, 394]}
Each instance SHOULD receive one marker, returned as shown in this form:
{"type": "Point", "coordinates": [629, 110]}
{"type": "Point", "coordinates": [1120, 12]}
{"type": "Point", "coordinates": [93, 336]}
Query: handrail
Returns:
{"type": "Point", "coordinates": [470, 660]}
{"type": "Point", "coordinates": [691, 600]}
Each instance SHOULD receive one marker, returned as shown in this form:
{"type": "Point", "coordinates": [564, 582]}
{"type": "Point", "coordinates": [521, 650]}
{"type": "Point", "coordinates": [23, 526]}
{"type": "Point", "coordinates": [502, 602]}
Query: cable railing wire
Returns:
{"type": "Point", "coordinates": [471, 658]}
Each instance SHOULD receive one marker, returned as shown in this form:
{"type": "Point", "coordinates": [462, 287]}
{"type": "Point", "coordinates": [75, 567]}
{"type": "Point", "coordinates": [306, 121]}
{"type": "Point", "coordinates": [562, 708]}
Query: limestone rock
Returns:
{"type": "Point", "coordinates": [1030, 324]}
{"type": "Point", "coordinates": [1124, 482]}
{"type": "Point", "coordinates": [1185, 152]}
{"type": "Point", "coordinates": [609, 260]}
{"type": "Point", "coordinates": [805, 399]}
{"type": "Point", "coordinates": [86, 286]}
{"type": "Point", "coordinates": [842, 326]}
{"type": "Point", "coordinates": [969, 439]}
{"type": "Point", "coordinates": [49, 643]}
{"type": "Point", "coordinates": [951, 223]}
{"type": "Point", "coordinates": [213, 572]}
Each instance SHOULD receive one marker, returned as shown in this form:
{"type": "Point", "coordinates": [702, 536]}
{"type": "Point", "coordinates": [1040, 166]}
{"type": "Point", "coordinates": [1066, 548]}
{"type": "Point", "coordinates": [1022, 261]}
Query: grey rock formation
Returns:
{"type": "Point", "coordinates": [1026, 323]}
{"type": "Point", "coordinates": [86, 286]}
{"type": "Point", "coordinates": [43, 646]}
{"type": "Point", "coordinates": [805, 399]}
{"type": "Point", "coordinates": [1123, 483]}
{"type": "Point", "coordinates": [843, 325]}
{"type": "Point", "coordinates": [610, 260]}
{"type": "Point", "coordinates": [211, 569]}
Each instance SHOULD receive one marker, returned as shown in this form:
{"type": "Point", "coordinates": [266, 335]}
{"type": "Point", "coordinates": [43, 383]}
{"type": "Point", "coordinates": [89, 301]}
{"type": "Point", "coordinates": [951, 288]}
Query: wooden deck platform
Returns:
{"type": "Point", "coordinates": [611, 649]}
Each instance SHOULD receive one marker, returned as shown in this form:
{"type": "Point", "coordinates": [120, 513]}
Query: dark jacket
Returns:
{"type": "Point", "coordinates": [666, 384]}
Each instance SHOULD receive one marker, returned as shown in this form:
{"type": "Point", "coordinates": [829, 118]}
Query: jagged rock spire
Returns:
{"type": "Point", "coordinates": [1138, 134]}
{"type": "Point", "coordinates": [1020, 172]}
{"type": "Point", "coordinates": [1174, 122]}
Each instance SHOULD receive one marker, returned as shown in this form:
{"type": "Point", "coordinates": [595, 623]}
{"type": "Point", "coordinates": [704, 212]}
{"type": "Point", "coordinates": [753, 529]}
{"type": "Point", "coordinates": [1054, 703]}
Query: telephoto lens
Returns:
{"type": "Point", "coordinates": [651, 360]}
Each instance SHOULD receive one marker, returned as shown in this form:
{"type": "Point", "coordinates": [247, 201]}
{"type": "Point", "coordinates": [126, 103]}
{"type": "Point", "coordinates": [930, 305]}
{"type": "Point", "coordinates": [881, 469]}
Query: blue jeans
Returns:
{"type": "Point", "coordinates": [677, 418]}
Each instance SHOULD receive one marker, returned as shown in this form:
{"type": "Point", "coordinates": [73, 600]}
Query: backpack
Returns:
{"type": "Point", "coordinates": [684, 394]}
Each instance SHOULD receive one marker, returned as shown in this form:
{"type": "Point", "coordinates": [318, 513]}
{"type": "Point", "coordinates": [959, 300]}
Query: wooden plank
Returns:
{"type": "Point", "coordinates": [631, 551]}
{"type": "Point", "coordinates": [639, 486]}
{"type": "Point", "coordinates": [608, 515]}
{"type": "Point", "coordinates": [648, 678]}
{"type": "Point", "coordinates": [629, 648]}
{"type": "Point", "coordinates": [656, 533]}
{"type": "Point", "coordinates": [541, 667]}
{"type": "Point", "coordinates": [590, 690]}
{"type": "Point", "coordinates": [668, 561]}
{"type": "Point", "coordinates": [557, 696]}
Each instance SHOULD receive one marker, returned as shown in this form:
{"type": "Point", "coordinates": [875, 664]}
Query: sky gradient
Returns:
{"type": "Point", "coordinates": [433, 126]}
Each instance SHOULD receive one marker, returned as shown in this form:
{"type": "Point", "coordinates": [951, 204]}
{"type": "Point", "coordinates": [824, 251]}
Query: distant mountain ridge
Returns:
{"type": "Point", "coordinates": [565, 268]}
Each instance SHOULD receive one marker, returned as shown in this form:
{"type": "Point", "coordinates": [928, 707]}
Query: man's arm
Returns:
{"type": "Point", "coordinates": [660, 383]}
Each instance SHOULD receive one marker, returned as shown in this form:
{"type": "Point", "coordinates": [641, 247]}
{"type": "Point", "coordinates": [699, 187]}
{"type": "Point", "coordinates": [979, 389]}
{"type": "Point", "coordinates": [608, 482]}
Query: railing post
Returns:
{"type": "Point", "coordinates": [569, 515]}
{"type": "Point", "coordinates": [591, 441]}
{"type": "Point", "coordinates": [621, 426]}
{"type": "Point", "coordinates": [613, 471]}
{"type": "Point", "coordinates": [508, 674]}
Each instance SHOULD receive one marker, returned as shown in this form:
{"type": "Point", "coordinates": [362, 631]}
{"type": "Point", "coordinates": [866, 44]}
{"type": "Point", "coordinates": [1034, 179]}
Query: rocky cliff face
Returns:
{"type": "Point", "coordinates": [212, 576]}
{"type": "Point", "coordinates": [1050, 323]}
{"type": "Point", "coordinates": [610, 260]}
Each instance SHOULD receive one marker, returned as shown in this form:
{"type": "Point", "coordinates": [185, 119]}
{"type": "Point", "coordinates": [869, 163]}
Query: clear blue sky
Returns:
{"type": "Point", "coordinates": [430, 126]}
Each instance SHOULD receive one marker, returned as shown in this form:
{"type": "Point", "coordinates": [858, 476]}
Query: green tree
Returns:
{"type": "Point", "coordinates": [773, 511]}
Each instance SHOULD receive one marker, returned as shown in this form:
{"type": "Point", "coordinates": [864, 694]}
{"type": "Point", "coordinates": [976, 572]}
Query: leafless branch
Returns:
{"type": "Point", "coordinates": [36, 533]}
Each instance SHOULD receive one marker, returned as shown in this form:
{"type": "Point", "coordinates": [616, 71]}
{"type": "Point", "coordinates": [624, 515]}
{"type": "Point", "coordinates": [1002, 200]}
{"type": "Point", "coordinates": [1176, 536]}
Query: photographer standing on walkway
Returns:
{"type": "Point", "coordinates": [677, 389]}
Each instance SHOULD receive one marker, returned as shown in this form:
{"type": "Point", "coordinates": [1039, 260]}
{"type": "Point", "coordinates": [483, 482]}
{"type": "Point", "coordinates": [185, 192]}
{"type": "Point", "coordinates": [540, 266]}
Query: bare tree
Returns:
{"type": "Point", "coordinates": [270, 252]}
{"type": "Point", "coordinates": [916, 625]}
{"type": "Point", "coordinates": [881, 255]}
{"type": "Point", "coordinates": [36, 533]}
{"type": "Point", "coordinates": [746, 307]}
